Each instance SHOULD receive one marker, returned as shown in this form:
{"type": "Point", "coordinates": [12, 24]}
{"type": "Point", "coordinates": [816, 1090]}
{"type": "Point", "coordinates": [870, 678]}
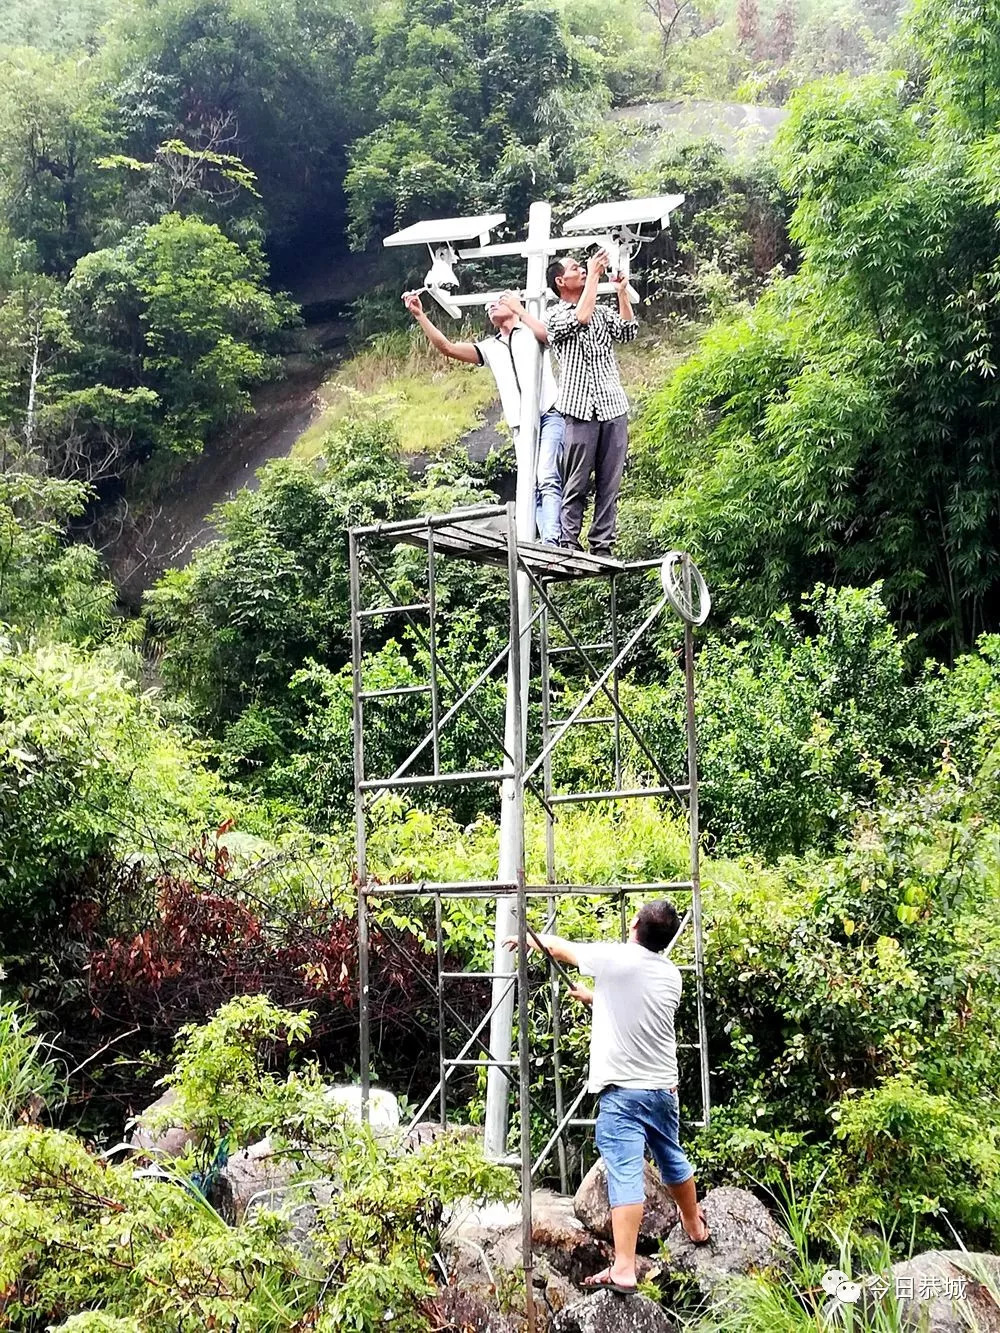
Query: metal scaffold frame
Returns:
{"type": "Point", "coordinates": [488, 534]}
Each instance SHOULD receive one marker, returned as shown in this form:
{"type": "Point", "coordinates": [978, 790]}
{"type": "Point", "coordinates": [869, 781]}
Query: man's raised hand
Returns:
{"type": "Point", "coordinates": [413, 303]}
{"type": "Point", "coordinates": [598, 263]}
{"type": "Point", "coordinates": [512, 301]}
{"type": "Point", "coordinates": [582, 993]}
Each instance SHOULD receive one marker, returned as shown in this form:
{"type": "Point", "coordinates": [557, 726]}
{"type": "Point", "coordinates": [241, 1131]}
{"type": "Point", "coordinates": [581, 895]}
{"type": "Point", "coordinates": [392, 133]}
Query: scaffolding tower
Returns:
{"type": "Point", "coordinates": [487, 534]}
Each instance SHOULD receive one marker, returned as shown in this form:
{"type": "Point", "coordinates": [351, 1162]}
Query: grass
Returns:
{"type": "Point", "coordinates": [432, 402]}
{"type": "Point", "coordinates": [27, 1069]}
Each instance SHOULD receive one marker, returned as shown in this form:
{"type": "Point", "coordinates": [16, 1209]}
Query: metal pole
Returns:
{"type": "Point", "coordinates": [439, 952]}
{"type": "Point", "coordinates": [699, 941]}
{"type": "Point", "coordinates": [511, 826]}
{"type": "Point", "coordinates": [432, 641]}
{"type": "Point", "coordinates": [614, 686]}
{"type": "Point", "coordinates": [550, 878]}
{"type": "Point", "coordinates": [364, 1017]}
{"type": "Point", "coordinates": [523, 1018]}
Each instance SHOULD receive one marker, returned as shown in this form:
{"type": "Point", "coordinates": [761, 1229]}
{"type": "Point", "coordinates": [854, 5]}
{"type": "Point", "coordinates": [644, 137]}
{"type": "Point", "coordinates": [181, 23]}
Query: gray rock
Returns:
{"type": "Point", "coordinates": [252, 1173]}
{"type": "Point", "coordinates": [430, 1131]}
{"type": "Point", "coordinates": [593, 1208]}
{"type": "Point", "coordinates": [453, 1310]}
{"type": "Point", "coordinates": [607, 1312]}
{"type": "Point", "coordinates": [172, 1141]}
{"type": "Point", "coordinates": [745, 1239]}
{"type": "Point", "coordinates": [950, 1292]}
{"type": "Point", "coordinates": [301, 1205]}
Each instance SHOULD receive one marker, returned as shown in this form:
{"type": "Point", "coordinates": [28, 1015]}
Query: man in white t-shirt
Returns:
{"type": "Point", "coordinates": [633, 1067]}
{"type": "Point", "coordinates": [507, 356]}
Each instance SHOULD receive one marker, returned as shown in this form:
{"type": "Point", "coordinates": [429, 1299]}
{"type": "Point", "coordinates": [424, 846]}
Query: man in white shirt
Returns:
{"type": "Point", "coordinates": [633, 1067]}
{"type": "Point", "coordinates": [506, 355]}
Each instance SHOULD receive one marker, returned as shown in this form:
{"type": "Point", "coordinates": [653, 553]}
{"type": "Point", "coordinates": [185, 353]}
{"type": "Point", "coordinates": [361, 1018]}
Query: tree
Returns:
{"type": "Point", "coordinates": [53, 124]}
{"type": "Point", "coordinates": [847, 429]}
{"type": "Point", "coordinates": [176, 311]}
{"type": "Point", "coordinates": [748, 25]}
{"type": "Point", "coordinates": [459, 85]}
{"type": "Point", "coordinates": [279, 73]}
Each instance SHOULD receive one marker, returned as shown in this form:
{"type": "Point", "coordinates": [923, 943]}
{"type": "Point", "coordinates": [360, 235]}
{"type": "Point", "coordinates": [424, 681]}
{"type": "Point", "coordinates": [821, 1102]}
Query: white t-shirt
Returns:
{"type": "Point", "coordinates": [636, 992]}
{"type": "Point", "coordinates": [508, 358]}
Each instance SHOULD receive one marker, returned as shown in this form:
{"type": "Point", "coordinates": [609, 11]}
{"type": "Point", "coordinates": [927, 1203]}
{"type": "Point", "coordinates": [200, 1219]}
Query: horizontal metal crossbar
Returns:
{"type": "Point", "coordinates": [393, 609]}
{"type": "Point", "coordinates": [480, 1064]}
{"type": "Point", "coordinates": [395, 692]}
{"type": "Point", "coordinates": [435, 779]}
{"type": "Point", "coordinates": [476, 976]}
{"type": "Point", "coordinates": [574, 798]}
{"type": "Point", "coordinates": [579, 721]}
{"type": "Point", "coordinates": [584, 647]}
{"type": "Point", "coordinates": [496, 888]}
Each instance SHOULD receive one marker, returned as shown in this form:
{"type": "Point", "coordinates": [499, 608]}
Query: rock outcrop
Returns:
{"type": "Point", "coordinates": [173, 1141]}
{"type": "Point", "coordinates": [593, 1208]}
{"type": "Point", "coordinates": [745, 1239]}
{"type": "Point", "coordinates": [607, 1312]}
{"type": "Point", "coordinates": [948, 1291]}
{"type": "Point", "coordinates": [254, 1173]}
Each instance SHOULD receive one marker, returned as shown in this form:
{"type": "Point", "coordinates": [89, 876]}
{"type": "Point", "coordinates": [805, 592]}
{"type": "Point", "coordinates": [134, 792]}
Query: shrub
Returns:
{"type": "Point", "coordinates": [89, 776]}
{"type": "Point", "coordinates": [76, 1232]}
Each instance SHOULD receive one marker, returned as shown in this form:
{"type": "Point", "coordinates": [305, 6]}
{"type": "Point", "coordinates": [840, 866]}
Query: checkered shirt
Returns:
{"type": "Point", "coordinates": [589, 383]}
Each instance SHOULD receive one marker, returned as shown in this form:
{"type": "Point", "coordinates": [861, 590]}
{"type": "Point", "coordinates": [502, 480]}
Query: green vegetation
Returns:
{"type": "Point", "coordinates": [160, 1256]}
{"type": "Point", "coordinates": [815, 389]}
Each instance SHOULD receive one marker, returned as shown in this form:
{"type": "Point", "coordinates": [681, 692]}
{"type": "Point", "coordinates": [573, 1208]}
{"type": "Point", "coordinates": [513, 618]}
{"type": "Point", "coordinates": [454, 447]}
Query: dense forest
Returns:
{"type": "Point", "coordinates": [814, 396]}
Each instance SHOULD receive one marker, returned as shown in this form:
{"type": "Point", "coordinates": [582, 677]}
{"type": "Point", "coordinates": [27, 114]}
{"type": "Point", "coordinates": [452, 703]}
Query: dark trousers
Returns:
{"type": "Point", "coordinates": [593, 449]}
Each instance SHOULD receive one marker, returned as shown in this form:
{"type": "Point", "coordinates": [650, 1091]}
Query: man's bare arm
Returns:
{"type": "Point", "coordinates": [582, 993]}
{"type": "Point", "coordinates": [596, 265]}
{"type": "Point", "coordinates": [457, 351]}
{"type": "Point", "coordinates": [624, 304]}
{"type": "Point", "coordinates": [563, 951]}
{"type": "Point", "coordinates": [536, 326]}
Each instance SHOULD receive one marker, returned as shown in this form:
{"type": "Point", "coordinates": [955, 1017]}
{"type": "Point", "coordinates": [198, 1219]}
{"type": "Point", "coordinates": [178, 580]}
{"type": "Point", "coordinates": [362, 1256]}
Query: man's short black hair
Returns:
{"type": "Point", "coordinates": [554, 270]}
{"type": "Point", "coordinates": [656, 925]}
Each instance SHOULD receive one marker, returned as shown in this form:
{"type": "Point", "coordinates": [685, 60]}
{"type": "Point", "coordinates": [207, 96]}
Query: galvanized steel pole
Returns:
{"type": "Point", "coordinates": [511, 858]}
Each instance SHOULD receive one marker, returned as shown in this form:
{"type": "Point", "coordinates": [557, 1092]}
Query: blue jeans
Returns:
{"type": "Point", "coordinates": [630, 1120]}
{"type": "Point", "coordinates": [548, 477]}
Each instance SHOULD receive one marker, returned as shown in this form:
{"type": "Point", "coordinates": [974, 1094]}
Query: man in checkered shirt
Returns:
{"type": "Point", "coordinates": [591, 398]}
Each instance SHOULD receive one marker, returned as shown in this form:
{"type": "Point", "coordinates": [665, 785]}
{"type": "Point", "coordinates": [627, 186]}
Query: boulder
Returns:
{"type": "Point", "coordinates": [429, 1131]}
{"type": "Point", "coordinates": [383, 1108]}
{"type": "Point", "coordinates": [745, 1239]}
{"type": "Point", "coordinates": [453, 1310]}
{"type": "Point", "coordinates": [254, 1173]}
{"type": "Point", "coordinates": [300, 1204]}
{"type": "Point", "coordinates": [947, 1291]}
{"type": "Point", "coordinates": [607, 1312]}
{"type": "Point", "coordinates": [172, 1141]}
{"type": "Point", "coordinates": [592, 1207]}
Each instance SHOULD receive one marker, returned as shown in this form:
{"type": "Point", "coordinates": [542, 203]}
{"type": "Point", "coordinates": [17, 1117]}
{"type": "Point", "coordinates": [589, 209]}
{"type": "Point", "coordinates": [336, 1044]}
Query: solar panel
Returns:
{"type": "Point", "coordinates": [627, 213]}
{"type": "Point", "coordinates": [440, 230]}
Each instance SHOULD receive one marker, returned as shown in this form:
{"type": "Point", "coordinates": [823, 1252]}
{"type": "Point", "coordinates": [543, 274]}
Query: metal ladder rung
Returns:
{"type": "Point", "coordinates": [689, 1045]}
{"type": "Point", "coordinates": [393, 610]}
{"type": "Point", "coordinates": [480, 1064]}
{"type": "Point", "coordinates": [395, 692]}
{"type": "Point", "coordinates": [578, 721]}
{"type": "Point", "coordinates": [584, 647]}
{"type": "Point", "coordinates": [587, 1124]}
{"type": "Point", "coordinates": [571, 798]}
{"type": "Point", "coordinates": [479, 976]}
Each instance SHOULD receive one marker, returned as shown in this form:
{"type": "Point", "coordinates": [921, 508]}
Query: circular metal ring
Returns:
{"type": "Point", "coordinates": [685, 589]}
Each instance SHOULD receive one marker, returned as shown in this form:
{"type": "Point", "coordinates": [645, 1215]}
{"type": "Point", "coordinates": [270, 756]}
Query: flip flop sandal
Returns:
{"type": "Point", "coordinates": [595, 1283]}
